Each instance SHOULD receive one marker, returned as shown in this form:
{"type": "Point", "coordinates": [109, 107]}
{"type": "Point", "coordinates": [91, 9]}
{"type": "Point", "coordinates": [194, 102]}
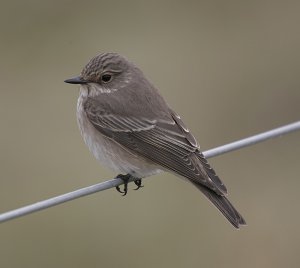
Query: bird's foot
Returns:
{"type": "Point", "coordinates": [125, 179]}
{"type": "Point", "coordinates": [138, 183]}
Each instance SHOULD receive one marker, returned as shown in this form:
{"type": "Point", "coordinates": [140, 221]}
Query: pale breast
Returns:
{"type": "Point", "coordinates": [108, 152]}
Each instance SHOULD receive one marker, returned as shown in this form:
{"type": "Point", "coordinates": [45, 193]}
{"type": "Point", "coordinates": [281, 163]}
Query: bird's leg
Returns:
{"type": "Point", "coordinates": [125, 179]}
{"type": "Point", "coordinates": [138, 183]}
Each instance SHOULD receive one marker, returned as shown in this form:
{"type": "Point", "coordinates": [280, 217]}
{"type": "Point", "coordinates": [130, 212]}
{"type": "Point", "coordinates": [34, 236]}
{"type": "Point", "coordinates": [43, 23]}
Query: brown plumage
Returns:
{"type": "Point", "coordinates": [130, 128]}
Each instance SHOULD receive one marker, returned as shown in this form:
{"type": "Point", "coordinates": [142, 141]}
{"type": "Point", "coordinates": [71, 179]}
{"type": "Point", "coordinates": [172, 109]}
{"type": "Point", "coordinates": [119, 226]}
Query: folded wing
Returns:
{"type": "Point", "coordinates": [166, 142]}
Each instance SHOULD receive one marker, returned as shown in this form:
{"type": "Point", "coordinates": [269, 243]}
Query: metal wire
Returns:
{"type": "Point", "coordinates": [115, 182]}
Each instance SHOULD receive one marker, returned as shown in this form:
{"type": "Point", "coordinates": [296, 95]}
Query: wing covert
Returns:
{"type": "Point", "coordinates": [166, 142]}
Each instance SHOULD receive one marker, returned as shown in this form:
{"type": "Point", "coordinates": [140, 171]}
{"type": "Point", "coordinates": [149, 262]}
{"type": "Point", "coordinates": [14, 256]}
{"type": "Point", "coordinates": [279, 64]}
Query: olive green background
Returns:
{"type": "Point", "coordinates": [229, 68]}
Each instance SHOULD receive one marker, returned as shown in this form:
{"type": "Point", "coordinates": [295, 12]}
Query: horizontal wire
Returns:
{"type": "Point", "coordinates": [115, 182]}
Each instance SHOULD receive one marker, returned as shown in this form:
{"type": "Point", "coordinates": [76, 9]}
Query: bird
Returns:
{"type": "Point", "coordinates": [130, 128]}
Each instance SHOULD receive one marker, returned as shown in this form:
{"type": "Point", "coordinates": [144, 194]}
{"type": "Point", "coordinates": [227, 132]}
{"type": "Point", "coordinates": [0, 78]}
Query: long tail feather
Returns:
{"type": "Point", "coordinates": [224, 205]}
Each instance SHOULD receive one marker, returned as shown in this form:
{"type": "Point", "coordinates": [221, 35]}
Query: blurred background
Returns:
{"type": "Point", "coordinates": [229, 68]}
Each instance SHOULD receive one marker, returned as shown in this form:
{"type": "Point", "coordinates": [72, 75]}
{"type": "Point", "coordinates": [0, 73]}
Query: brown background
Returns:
{"type": "Point", "coordinates": [230, 68]}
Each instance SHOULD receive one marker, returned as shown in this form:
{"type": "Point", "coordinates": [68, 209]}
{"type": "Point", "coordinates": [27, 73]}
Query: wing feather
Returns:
{"type": "Point", "coordinates": [167, 143]}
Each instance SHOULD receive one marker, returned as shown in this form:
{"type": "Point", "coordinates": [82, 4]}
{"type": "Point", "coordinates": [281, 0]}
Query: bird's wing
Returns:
{"type": "Point", "coordinates": [167, 143]}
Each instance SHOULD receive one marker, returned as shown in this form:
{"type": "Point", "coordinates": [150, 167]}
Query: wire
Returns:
{"type": "Point", "coordinates": [115, 182]}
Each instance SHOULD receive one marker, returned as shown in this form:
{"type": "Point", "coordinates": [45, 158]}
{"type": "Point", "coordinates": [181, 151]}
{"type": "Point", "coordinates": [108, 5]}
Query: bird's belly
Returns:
{"type": "Point", "coordinates": [110, 153]}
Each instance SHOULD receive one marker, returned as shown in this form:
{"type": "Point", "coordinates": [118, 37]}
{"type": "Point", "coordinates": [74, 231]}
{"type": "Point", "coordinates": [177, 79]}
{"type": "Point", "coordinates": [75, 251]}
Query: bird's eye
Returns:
{"type": "Point", "coordinates": [106, 78]}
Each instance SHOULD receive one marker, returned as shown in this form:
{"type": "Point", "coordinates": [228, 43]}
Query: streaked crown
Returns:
{"type": "Point", "coordinates": [105, 62]}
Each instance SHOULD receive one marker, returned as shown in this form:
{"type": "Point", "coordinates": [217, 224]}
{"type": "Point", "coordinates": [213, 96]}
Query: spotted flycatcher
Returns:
{"type": "Point", "coordinates": [130, 128]}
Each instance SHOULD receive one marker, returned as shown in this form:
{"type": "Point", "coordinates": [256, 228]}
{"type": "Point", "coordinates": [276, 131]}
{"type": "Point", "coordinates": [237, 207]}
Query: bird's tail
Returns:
{"type": "Point", "coordinates": [224, 205]}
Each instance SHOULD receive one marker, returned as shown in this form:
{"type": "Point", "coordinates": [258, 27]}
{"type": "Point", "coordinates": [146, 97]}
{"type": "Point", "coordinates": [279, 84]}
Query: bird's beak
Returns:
{"type": "Point", "coordinates": [76, 80]}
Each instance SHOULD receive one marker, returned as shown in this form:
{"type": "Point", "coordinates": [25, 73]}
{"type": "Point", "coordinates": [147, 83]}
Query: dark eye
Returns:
{"type": "Point", "coordinates": [106, 78]}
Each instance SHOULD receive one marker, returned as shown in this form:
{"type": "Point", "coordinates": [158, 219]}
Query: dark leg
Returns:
{"type": "Point", "coordinates": [138, 183]}
{"type": "Point", "coordinates": [125, 179]}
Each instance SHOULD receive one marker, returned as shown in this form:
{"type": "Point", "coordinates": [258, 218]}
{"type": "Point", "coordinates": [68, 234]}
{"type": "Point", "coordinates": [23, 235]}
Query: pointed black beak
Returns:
{"type": "Point", "coordinates": [75, 80]}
